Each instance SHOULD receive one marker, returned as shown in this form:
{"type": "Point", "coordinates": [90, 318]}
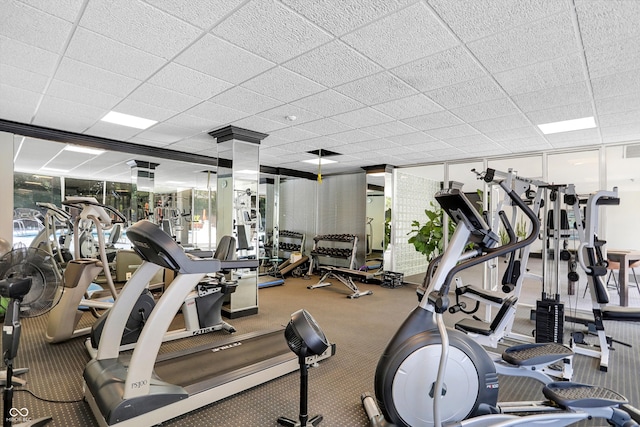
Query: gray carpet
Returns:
{"type": "Point", "coordinates": [360, 329]}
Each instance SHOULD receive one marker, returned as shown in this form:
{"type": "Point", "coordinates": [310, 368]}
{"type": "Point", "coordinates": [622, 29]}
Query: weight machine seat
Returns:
{"type": "Point", "coordinates": [474, 326]}
{"type": "Point", "coordinates": [536, 354]}
{"type": "Point", "coordinates": [482, 293]}
{"type": "Point", "coordinates": [156, 246]}
{"type": "Point", "coordinates": [575, 395]}
{"type": "Point", "coordinates": [621, 314]}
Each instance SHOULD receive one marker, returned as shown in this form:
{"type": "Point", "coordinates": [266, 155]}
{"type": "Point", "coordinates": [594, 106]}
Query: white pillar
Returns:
{"type": "Point", "coordinates": [6, 189]}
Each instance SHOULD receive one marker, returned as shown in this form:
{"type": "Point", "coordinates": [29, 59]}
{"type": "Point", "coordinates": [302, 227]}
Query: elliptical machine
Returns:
{"type": "Point", "coordinates": [462, 389]}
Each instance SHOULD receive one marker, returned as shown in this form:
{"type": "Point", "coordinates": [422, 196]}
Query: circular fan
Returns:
{"type": "Point", "coordinates": [45, 278]}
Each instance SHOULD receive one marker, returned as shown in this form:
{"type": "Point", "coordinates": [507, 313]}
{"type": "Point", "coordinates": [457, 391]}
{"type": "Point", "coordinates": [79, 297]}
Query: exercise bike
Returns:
{"type": "Point", "coordinates": [462, 389]}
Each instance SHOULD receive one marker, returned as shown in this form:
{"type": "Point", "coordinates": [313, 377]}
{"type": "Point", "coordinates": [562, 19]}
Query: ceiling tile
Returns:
{"type": "Point", "coordinates": [328, 103]}
{"type": "Point", "coordinates": [486, 110]}
{"type": "Point", "coordinates": [216, 113]}
{"type": "Point", "coordinates": [188, 81]}
{"type": "Point", "coordinates": [501, 123]}
{"type": "Point", "coordinates": [352, 136]}
{"type": "Point", "coordinates": [612, 58]}
{"type": "Point", "coordinates": [530, 78]}
{"type": "Point", "coordinates": [245, 100]}
{"type": "Point", "coordinates": [376, 89]}
{"type": "Point", "coordinates": [433, 121]}
{"type": "Point", "coordinates": [66, 122]}
{"type": "Point", "coordinates": [626, 117]}
{"type": "Point", "coordinates": [82, 95]}
{"type": "Point", "coordinates": [50, 105]}
{"type": "Point", "coordinates": [94, 78]}
{"type": "Point", "coordinates": [616, 84]}
{"type": "Point", "coordinates": [573, 143]}
{"type": "Point", "coordinates": [452, 132]}
{"type": "Point", "coordinates": [160, 97]}
{"type": "Point", "coordinates": [407, 35]}
{"type": "Point", "coordinates": [140, 25]}
{"type": "Point", "coordinates": [467, 93]}
{"type": "Point", "coordinates": [564, 112]}
{"type": "Point", "coordinates": [410, 139]}
{"type": "Point", "coordinates": [113, 131]}
{"type": "Point", "coordinates": [223, 60]}
{"type": "Point", "coordinates": [27, 57]}
{"type": "Point", "coordinates": [147, 111]}
{"type": "Point", "coordinates": [280, 83]}
{"type": "Point", "coordinates": [12, 76]}
{"type": "Point", "coordinates": [102, 52]}
{"type": "Point", "coordinates": [259, 124]}
{"type": "Point", "coordinates": [341, 16]}
{"type": "Point", "coordinates": [249, 25]}
{"type": "Point", "coordinates": [553, 97]}
{"type": "Point", "coordinates": [362, 117]}
{"type": "Point", "coordinates": [512, 134]}
{"type": "Point", "coordinates": [531, 143]}
{"type": "Point", "coordinates": [576, 135]}
{"type": "Point", "coordinates": [28, 25]}
{"type": "Point", "coordinates": [430, 146]}
{"type": "Point", "coordinates": [14, 95]}
{"type": "Point", "coordinates": [332, 64]}
{"type": "Point", "coordinates": [325, 127]}
{"type": "Point", "coordinates": [604, 21]}
{"type": "Point", "coordinates": [441, 69]}
{"type": "Point", "coordinates": [411, 106]}
{"type": "Point", "coordinates": [472, 19]}
{"type": "Point", "coordinates": [293, 134]}
{"type": "Point", "coordinates": [198, 143]}
{"type": "Point", "coordinates": [193, 122]}
{"type": "Point", "coordinates": [616, 104]}
{"type": "Point", "coordinates": [166, 133]}
{"type": "Point", "coordinates": [15, 111]}
{"type": "Point", "coordinates": [202, 13]}
{"type": "Point", "coordinates": [280, 114]}
{"type": "Point", "coordinates": [536, 42]}
{"type": "Point", "coordinates": [389, 129]}
{"type": "Point", "coordinates": [65, 9]}
{"type": "Point", "coordinates": [630, 130]}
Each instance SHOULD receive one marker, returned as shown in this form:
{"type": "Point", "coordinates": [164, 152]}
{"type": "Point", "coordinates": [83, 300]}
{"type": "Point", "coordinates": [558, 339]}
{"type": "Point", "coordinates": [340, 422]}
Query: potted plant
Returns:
{"type": "Point", "coordinates": [428, 238]}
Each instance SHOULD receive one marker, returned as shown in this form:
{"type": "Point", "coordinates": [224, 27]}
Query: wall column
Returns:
{"type": "Point", "coordinates": [6, 190]}
{"type": "Point", "coordinates": [237, 211]}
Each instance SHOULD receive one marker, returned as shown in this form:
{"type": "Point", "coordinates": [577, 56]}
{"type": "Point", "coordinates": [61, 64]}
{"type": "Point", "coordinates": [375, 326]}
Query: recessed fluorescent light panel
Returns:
{"type": "Point", "coordinates": [85, 150]}
{"type": "Point", "coordinates": [322, 162]}
{"type": "Point", "coordinates": [568, 125]}
{"type": "Point", "coordinates": [128, 120]}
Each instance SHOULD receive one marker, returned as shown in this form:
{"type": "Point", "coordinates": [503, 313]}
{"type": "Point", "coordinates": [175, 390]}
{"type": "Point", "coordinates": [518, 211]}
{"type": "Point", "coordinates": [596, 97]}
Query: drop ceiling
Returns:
{"type": "Point", "coordinates": [396, 82]}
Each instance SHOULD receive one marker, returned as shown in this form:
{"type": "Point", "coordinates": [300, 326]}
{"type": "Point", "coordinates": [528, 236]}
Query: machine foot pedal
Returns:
{"type": "Point", "coordinates": [574, 395]}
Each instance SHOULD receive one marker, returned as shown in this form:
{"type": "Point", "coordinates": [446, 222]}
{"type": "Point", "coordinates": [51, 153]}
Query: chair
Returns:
{"type": "Point", "coordinates": [614, 265]}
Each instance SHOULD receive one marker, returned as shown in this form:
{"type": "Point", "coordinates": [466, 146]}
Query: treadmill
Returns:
{"type": "Point", "coordinates": [147, 389]}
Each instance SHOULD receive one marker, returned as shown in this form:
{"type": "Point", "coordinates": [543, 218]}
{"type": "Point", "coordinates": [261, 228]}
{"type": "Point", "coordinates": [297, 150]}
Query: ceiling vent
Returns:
{"type": "Point", "coordinates": [631, 151]}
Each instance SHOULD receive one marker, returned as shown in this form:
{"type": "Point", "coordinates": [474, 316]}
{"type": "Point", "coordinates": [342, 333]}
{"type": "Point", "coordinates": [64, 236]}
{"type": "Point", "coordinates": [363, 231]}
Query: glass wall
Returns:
{"type": "Point", "coordinates": [29, 189]}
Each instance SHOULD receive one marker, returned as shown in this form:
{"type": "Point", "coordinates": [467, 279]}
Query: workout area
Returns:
{"type": "Point", "coordinates": [320, 213]}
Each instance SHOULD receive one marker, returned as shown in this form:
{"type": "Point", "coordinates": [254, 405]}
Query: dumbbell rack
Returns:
{"type": "Point", "coordinates": [295, 242]}
{"type": "Point", "coordinates": [344, 252]}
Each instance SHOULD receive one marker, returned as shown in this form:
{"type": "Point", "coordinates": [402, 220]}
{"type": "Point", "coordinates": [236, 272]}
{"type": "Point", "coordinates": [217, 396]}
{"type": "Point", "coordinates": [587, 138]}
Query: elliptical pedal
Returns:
{"type": "Point", "coordinates": [536, 354]}
{"type": "Point", "coordinates": [575, 395]}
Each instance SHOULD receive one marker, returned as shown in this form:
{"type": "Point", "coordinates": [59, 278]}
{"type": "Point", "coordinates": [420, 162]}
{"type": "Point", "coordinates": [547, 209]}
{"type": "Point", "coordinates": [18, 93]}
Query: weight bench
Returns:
{"type": "Point", "coordinates": [344, 275]}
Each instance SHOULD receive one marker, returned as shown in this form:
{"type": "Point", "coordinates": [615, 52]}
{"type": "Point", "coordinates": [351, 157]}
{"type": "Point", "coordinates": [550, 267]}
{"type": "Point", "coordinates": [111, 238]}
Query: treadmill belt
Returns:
{"type": "Point", "coordinates": [216, 362]}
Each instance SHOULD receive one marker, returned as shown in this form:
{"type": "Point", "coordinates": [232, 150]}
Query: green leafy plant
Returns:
{"type": "Point", "coordinates": [428, 238]}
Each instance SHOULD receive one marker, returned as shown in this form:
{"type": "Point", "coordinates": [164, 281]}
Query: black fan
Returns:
{"type": "Point", "coordinates": [30, 278]}
{"type": "Point", "coordinates": [305, 338]}
{"type": "Point", "coordinates": [45, 275]}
